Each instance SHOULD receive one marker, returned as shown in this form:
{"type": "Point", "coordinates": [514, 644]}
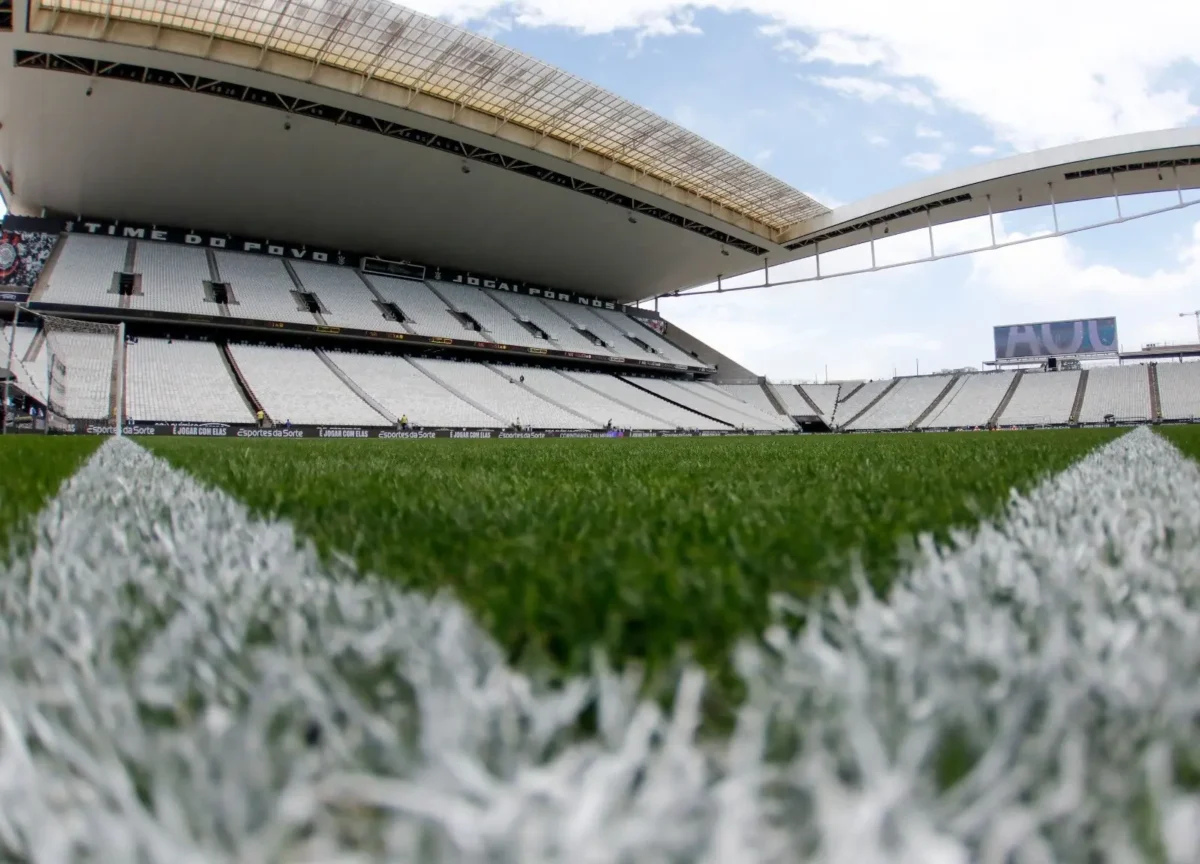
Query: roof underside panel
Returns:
{"type": "Point", "coordinates": [382, 41]}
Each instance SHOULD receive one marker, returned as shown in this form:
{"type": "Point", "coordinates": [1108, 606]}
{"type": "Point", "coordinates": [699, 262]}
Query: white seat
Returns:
{"type": "Point", "coordinates": [426, 313]}
{"type": "Point", "coordinates": [972, 402]}
{"type": "Point", "coordinates": [501, 397]}
{"type": "Point", "coordinates": [903, 404]}
{"type": "Point", "coordinates": [492, 317]}
{"type": "Point", "coordinates": [1042, 398]}
{"type": "Point", "coordinates": [181, 382]}
{"type": "Point", "coordinates": [1179, 390]}
{"type": "Point", "coordinates": [600, 408]}
{"type": "Point", "coordinates": [405, 391]}
{"type": "Point", "coordinates": [83, 273]}
{"type": "Point", "coordinates": [1122, 391]}
{"type": "Point", "coordinates": [261, 288]}
{"type": "Point", "coordinates": [345, 297]}
{"type": "Point", "coordinates": [172, 279]}
{"type": "Point", "coordinates": [294, 384]}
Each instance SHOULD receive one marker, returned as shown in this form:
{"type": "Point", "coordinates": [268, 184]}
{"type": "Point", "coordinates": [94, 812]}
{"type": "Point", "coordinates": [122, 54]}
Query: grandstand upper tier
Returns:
{"type": "Point", "coordinates": [441, 147]}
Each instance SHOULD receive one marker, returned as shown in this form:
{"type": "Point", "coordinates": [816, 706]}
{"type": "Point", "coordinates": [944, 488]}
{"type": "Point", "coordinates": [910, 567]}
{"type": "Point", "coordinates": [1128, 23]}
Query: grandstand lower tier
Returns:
{"type": "Point", "coordinates": [184, 386]}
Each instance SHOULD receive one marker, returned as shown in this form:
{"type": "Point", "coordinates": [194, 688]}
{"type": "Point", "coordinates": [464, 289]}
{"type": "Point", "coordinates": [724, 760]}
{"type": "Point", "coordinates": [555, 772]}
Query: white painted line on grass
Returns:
{"type": "Point", "coordinates": [182, 682]}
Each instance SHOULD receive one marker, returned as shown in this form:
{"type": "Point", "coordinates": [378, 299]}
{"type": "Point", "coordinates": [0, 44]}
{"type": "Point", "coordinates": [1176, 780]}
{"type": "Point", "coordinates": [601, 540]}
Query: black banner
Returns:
{"type": "Point", "coordinates": [227, 430]}
{"type": "Point", "coordinates": [107, 313]}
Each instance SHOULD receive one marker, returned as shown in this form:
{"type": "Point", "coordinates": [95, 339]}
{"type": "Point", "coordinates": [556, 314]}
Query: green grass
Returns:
{"type": "Point", "coordinates": [639, 546]}
{"type": "Point", "coordinates": [1186, 438]}
{"type": "Point", "coordinates": [32, 467]}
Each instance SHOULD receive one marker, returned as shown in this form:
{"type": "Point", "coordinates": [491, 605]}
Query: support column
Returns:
{"type": "Point", "coordinates": [12, 350]}
{"type": "Point", "coordinates": [1053, 206]}
{"type": "Point", "coordinates": [120, 376]}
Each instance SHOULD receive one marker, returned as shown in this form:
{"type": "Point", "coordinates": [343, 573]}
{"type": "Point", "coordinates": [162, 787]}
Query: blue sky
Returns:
{"type": "Point", "coordinates": [843, 100]}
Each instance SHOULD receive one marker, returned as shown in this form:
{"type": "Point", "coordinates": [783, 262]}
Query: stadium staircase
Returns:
{"type": "Point", "coordinates": [673, 402]}
{"type": "Point", "coordinates": [772, 398]}
{"type": "Point", "coordinates": [808, 400]}
{"type": "Point", "coordinates": [1155, 399]}
{"type": "Point", "coordinates": [214, 278]}
{"type": "Point", "coordinates": [878, 398]}
{"type": "Point", "coordinates": [379, 299]}
{"type": "Point", "coordinates": [243, 388]}
{"type": "Point", "coordinates": [358, 391]}
{"type": "Point", "coordinates": [611, 398]}
{"type": "Point", "coordinates": [300, 289]}
{"type": "Point", "coordinates": [43, 279]}
{"type": "Point", "coordinates": [994, 420]}
{"type": "Point", "coordinates": [1077, 406]}
{"type": "Point", "coordinates": [916, 424]}
{"type": "Point", "coordinates": [432, 286]}
{"type": "Point", "coordinates": [842, 397]}
{"type": "Point", "coordinates": [596, 424]}
{"type": "Point", "coordinates": [503, 424]}
{"type": "Point", "coordinates": [126, 300]}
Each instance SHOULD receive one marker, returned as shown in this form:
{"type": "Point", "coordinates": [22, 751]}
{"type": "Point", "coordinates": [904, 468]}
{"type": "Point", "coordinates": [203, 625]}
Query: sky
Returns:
{"type": "Point", "coordinates": [847, 99]}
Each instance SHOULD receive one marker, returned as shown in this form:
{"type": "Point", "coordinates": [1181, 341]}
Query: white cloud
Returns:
{"type": "Point", "coordinates": [1029, 85]}
{"type": "Point", "coordinates": [928, 162]}
{"type": "Point", "coordinates": [763, 156]}
{"type": "Point", "coordinates": [982, 150]}
{"type": "Point", "coordinates": [839, 49]}
{"type": "Point", "coordinates": [877, 140]}
{"type": "Point", "coordinates": [923, 131]}
{"type": "Point", "coordinates": [871, 90]}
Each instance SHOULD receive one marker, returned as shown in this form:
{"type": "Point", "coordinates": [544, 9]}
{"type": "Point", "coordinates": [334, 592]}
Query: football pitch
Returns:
{"type": "Point", "coordinates": [934, 647]}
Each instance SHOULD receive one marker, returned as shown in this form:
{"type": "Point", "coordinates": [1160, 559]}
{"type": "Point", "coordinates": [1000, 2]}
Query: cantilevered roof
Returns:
{"type": "Point", "coordinates": [377, 40]}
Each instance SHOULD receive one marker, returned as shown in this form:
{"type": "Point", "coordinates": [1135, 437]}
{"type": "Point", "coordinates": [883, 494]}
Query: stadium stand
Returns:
{"type": "Point", "coordinates": [345, 297]}
{"type": "Point", "coordinates": [971, 403]}
{"type": "Point", "coordinates": [558, 387]}
{"type": "Point", "coordinates": [488, 389]}
{"type": "Point", "coordinates": [792, 401]}
{"type": "Point", "coordinates": [174, 381]}
{"type": "Point", "coordinates": [261, 288]}
{"type": "Point", "coordinates": [1179, 390]}
{"type": "Point", "coordinates": [616, 341]}
{"type": "Point", "coordinates": [758, 417]}
{"type": "Point", "coordinates": [1122, 391]}
{"type": "Point", "coordinates": [541, 314]}
{"type": "Point", "coordinates": [1042, 398]}
{"type": "Point", "coordinates": [903, 404]}
{"type": "Point", "coordinates": [751, 394]}
{"type": "Point", "coordinates": [632, 329]}
{"type": "Point", "coordinates": [855, 396]}
{"type": "Point", "coordinates": [495, 320]}
{"type": "Point", "coordinates": [84, 272]}
{"type": "Point", "coordinates": [618, 390]}
{"type": "Point", "coordinates": [406, 391]}
{"type": "Point", "coordinates": [293, 384]}
{"type": "Point", "coordinates": [28, 367]}
{"type": "Point", "coordinates": [172, 279]}
{"type": "Point", "coordinates": [424, 311]}
{"type": "Point", "coordinates": [824, 396]}
{"type": "Point", "coordinates": [699, 398]}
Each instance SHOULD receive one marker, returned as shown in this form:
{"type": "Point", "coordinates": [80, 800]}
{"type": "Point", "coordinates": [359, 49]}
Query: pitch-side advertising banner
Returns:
{"type": "Point", "coordinates": [1056, 339]}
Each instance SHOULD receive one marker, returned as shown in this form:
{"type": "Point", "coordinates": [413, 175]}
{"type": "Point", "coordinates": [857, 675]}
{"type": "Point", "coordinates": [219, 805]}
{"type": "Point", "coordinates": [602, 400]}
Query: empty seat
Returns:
{"type": "Point", "coordinates": [1179, 390]}
{"type": "Point", "coordinates": [181, 382]}
{"type": "Point", "coordinates": [294, 384]}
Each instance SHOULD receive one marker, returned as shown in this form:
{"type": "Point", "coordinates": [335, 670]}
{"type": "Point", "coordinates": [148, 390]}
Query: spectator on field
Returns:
{"type": "Point", "coordinates": [287, 424]}
{"type": "Point", "coordinates": [260, 416]}
{"type": "Point", "coordinates": [403, 421]}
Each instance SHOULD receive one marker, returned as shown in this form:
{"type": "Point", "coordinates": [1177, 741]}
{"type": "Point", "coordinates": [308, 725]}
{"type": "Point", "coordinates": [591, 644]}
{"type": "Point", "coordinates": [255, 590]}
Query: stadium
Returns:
{"type": "Point", "coordinates": [583, 587]}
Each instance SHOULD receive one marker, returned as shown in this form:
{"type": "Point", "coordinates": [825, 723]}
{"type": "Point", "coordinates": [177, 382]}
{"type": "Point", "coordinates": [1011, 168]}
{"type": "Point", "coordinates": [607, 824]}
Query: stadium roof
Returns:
{"type": "Point", "coordinates": [380, 41]}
